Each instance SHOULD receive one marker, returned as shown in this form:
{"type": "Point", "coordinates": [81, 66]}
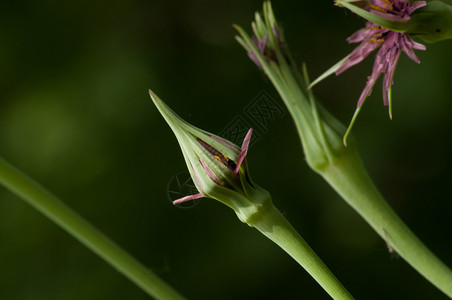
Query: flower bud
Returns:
{"type": "Point", "coordinates": [217, 166]}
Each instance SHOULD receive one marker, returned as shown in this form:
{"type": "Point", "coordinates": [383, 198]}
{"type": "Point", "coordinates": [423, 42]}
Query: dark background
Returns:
{"type": "Point", "coordinates": [75, 115]}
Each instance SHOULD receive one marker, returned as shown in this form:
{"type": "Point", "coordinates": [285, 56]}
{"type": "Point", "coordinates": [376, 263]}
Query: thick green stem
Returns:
{"type": "Point", "coordinates": [341, 167]}
{"type": "Point", "coordinates": [272, 224]}
{"type": "Point", "coordinates": [349, 178]}
{"type": "Point", "coordinates": [75, 225]}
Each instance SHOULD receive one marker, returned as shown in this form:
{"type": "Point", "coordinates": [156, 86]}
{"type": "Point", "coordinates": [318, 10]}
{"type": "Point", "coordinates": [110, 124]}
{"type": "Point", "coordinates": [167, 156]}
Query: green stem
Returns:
{"type": "Point", "coordinates": [349, 178]}
{"type": "Point", "coordinates": [272, 224]}
{"type": "Point", "coordinates": [341, 166]}
{"type": "Point", "coordinates": [30, 191]}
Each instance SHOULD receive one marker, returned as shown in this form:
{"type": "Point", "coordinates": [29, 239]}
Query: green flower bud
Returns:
{"type": "Point", "coordinates": [217, 166]}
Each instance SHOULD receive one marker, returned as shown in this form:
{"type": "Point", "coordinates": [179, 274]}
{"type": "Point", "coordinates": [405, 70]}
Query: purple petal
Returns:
{"type": "Point", "coordinates": [389, 16]}
{"type": "Point", "coordinates": [416, 5]}
{"type": "Point", "coordinates": [254, 58]}
{"type": "Point", "coordinates": [367, 89]}
{"type": "Point", "coordinates": [407, 47]}
{"type": "Point", "coordinates": [418, 46]}
{"type": "Point", "coordinates": [358, 36]}
{"type": "Point", "coordinates": [187, 198]}
{"type": "Point", "coordinates": [245, 146]}
{"type": "Point", "coordinates": [390, 41]}
{"type": "Point", "coordinates": [262, 44]}
{"type": "Point", "coordinates": [358, 55]}
{"type": "Point", "coordinates": [378, 68]}
{"type": "Point", "coordinates": [389, 74]}
{"type": "Point", "coordinates": [209, 172]}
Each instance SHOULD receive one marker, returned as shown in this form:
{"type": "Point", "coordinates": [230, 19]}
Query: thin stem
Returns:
{"type": "Point", "coordinates": [349, 178]}
{"type": "Point", "coordinates": [273, 225]}
{"type": "Point", "coordinates": [34, 194]}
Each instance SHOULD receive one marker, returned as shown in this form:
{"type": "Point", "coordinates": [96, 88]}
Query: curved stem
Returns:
{"type": "Point", "coordinates": [273, 225]}
{"type": "Point", "coordinates": [34, 194]}
{"type": "Point", "coordinates": [349, 178]}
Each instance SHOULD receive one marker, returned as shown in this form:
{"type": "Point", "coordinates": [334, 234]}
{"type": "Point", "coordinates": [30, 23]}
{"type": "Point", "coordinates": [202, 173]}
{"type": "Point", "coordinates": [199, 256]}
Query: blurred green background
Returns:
{"type": "Point", "coordinates": [75, 115]}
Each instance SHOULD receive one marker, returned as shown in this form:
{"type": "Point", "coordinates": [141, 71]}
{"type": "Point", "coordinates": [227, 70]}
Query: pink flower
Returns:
{"type": "Point", "coordinates": [391, 43]}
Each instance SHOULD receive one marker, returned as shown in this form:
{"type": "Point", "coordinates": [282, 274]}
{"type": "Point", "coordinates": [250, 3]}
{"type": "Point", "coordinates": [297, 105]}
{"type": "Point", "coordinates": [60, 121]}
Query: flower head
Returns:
{"type": "Point", "coordinates": [217, 166]}
{"type": "Point", "coordinates": [390, 27]}
{"type": "Point", "coordinates": [391, 44]}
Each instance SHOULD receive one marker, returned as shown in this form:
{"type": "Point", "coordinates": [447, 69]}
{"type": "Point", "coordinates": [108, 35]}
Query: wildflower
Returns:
{"type": "Point", "coordinates": [217, 166]}
{"type": "Point", "coordinates": [390, 27]}
{"type": "Point", "coordinates": [391, 43]}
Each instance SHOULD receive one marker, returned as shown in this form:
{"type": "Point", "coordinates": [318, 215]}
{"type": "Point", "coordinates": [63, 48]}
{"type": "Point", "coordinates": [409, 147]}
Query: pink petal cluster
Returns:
{"type": "Point", "coordinates": [391, 44]}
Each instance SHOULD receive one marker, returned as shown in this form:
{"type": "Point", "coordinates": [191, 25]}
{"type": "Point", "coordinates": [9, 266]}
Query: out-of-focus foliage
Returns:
{"type": "Point", "coordinates": [75, 114]}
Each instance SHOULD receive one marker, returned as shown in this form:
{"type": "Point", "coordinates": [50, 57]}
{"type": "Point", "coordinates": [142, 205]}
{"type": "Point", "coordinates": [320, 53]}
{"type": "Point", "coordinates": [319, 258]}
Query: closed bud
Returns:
{"type": "Point", "coordinates": [217, 166]}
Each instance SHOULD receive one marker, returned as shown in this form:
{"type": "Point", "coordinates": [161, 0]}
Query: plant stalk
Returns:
{"type": "Point", "coordinates": [350, 179]}
{"type": "Point", "coordinates": [273, 225]}
{"type": "Point", "coordinates": [57, 211]}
